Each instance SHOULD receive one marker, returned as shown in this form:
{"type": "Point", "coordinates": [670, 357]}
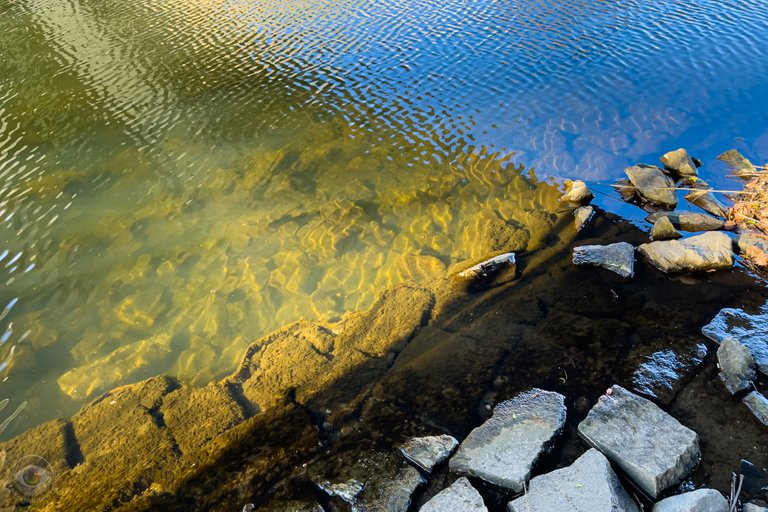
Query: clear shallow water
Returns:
{"type": "Point", "coordinates": [179, 178]}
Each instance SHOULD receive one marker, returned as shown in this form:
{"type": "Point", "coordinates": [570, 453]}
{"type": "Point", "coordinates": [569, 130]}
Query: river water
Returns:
{"type": "Point", "coordinates": [179, 178]}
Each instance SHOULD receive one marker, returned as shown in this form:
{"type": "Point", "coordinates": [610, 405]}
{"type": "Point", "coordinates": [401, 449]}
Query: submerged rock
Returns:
{"type": "Point", "coordinates": [618, 257]}
{"type": "Point", "coordinates": [700, 500]}
{"type": "Point", "coordinates": [688, 221]}
{"type": "Point", "coordinates": [576, 192]}
{"type": "Point", "coordinates": [750, 329]}
{"type": "Point", "coordinates": [738, 165]}
{"type": "Point", "coordinates": [653, 185]}
{"type": "Point", "coordinates": [492, 271]}
{"type": "Point", "coordinates": [707, 202]}
{"type": "Point", "coordinates": [582, 215]}
{"type": "Point", "coordinates": [680, 162]}
{"type": "Point", "coordinates": [709, 251]}
{"type": "Point", "coordinates": [587, 485]}
{"type": "Point", "coordinates": [737, 366]}
{"type": "Point", "coordinates": [758, 405]}
{"type": "Point", "coordinates": [427, 452]}
{"type": "Point", "coordinates": [652, 447]}
{"type": "Point", "coordinates": [664, 230]}
{"type": "Point", "coordinates": [459, 497]}
{"type": "Point", "coordinates": [755, 247]}
{"type": "Point", "coordinates": [503, 450]}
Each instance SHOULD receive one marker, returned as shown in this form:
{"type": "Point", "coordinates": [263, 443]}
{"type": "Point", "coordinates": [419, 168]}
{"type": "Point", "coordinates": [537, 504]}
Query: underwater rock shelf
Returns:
{"type": "Point", "coordinates": [316, 415]}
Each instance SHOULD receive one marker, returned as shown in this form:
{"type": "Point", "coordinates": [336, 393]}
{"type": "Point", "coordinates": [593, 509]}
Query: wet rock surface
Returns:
{"type": "Point", "coordinates": [755, 507]}
{"type": "Point", "coordinates": [709, 251]}
{"type": "Point", "coordinates": [427, 452]}
{"type": "Point", "coordinates": [582, 216]}
{"type": "Point", "coordinates": [751, 329]}
{"type": "Point", "coordinates": [653, 185]}
{"type": "Point", "coordinates": [459, 497]}
{"type": "Point", "coordinates": [738, 164]}
{"type": "Point", "coordinates": [700, 500]}
{"type": "Point", "coordinates": [588, 485]}
{"type": "Point", "coordinates": [664, 230]}
{"type": "Point", "coordinates": [680, 162]}
{"type": "Point", "coordinates": [576, 192]}
{"type": "Point", "coordinates": [503, 450]}
{"type": "Point", "coordinates": [496, 270]}
{"type": "Point", "coordinates": [653, 448]}
{"type": "Point", "coordinates": [618, 258]}
{"type": "Point", "coordinates": [737, 366]}
{"type": "Point", "coordinates": [689, 221]}
{"type": "Point", "coordinates": [757, 403]}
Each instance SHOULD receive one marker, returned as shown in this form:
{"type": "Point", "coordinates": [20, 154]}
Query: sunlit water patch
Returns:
{"type": "Point", "coordinates": [180, 177]}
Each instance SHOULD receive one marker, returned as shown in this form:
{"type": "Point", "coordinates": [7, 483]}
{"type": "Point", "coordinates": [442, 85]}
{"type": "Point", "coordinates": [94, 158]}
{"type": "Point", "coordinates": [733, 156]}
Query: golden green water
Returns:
{"type": "Point", "coordinates": [158, 223]}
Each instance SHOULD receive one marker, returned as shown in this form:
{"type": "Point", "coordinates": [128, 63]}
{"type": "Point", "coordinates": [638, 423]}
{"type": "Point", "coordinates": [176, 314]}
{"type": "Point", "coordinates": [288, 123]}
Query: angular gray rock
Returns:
{"type": "Point", "coordinates": [738, 165]}
{"type": "Point", "coordinates": [459, 497]}
{"type": "Point", "coordinates": [708, 251]}
{"type": "Point", "coordinates": [737, 366]}
{"type": "Point", "coordinates": [653, 185]}
{"type": "Point", "coordinates": [750, 329]}
{"type": "Point", "coordinates": [618, 257]}
{"type": "Point", "coordinates": [652, 447]}
{"type": "Point", "coordinates": [664, 230]}
{"type": "Point", "coordinates": [707, 202]}
{"type": "Point", "coordinates": [582, 215]}
{"type": "Point", "coordinates": [700, 500]}
{"type": "Point", "coordinates": [689, 221]}
{"type": "Point", "coordinates": [754, 507]}
{"type": "Point", "coordinates": [427, 452]}
{"type": "Point", "coordinates": [503, 450]}
{"type": "Point", "coordinates": [587, 485]}
{"type": "Point", "coordinates": [576, 192]}
{"type": "Point", "coordinates": [680, 162]}
{"type": "Point", "coordinates": [758, 406]}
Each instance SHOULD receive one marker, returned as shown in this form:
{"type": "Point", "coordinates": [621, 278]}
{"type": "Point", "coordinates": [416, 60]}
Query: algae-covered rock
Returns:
{"type": "Point", "coordinates": [133, 361]}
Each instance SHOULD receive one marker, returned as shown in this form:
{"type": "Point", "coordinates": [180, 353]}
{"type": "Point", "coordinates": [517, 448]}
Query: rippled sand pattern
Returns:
{"type": "Point", "coordinates": [180, 177]}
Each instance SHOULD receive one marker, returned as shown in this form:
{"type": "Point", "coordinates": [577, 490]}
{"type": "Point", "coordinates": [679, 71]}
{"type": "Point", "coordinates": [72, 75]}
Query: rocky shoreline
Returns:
{"type": "Point", "coordinates": [504, 360]}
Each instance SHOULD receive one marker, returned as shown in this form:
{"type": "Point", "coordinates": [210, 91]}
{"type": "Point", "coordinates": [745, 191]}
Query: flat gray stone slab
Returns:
{"type": "Point", "coordinates": [709, 251]}
{"type": "Point", "coordinates": [588, 485]}
{"type": "Point", "coordinates": [459, 497]}
{"type": "Point", "coordinates": [652, 447]}
{"type": "Point", "coordinates": [618, 258]}
{"type": "Point", "coordinates": [758, 405]}
{"type": "Point", "coordinates": [749, 329]}
{"type": "Point", "coordinates": [737, 366]}
{"type": "Point", "coordinates": [427, 452]}
{"type": "Point", "coordinates": [503, 450]}
{"type": "Point", "coordinates": [689, 221]}
{"type": "Point", "coordinates": [700, 500]}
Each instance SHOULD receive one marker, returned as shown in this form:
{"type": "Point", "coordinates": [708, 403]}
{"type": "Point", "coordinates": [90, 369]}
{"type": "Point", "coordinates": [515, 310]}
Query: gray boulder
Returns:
{"type": "Point", "coordinates": [576, 192]}
{"type": "Point", "coordinates": [652, 447]}
{"type": "Point", "coordinates": [459, 497]}
{"type": "Point", "coordinates": [700, 500]}
{"type": "Point", "coordinates": [664, 230]}
{"type": "Point", "coordinates": [688, 221]}
{"type": "Point", "coordinates": [737, 366]}
{"type": "Point", "coordinates": [758, 405]}
{"type": "Point", "coordinates": [427, 452]}
{"type": "Point", "coordinates": [680, 162]}
{"type": "Point", "coordinates": [738, 165]}
{"type": "Point", "coordinates": [582, 215]}
{"type": "Point", "coordinates": [653, 185]}
{"type": "Point", "coordinates": [708, 251]}
{"type": "Point", "coordinates": [750, 329]}
{"type": "Point", "coordinates": [754, 507]}
{"type": "Point", "coordinates": [503, 450]}
{"type": "Point", "coordinates": [587, 485]}
{"type": "Point", "coordinates": [618, 258]}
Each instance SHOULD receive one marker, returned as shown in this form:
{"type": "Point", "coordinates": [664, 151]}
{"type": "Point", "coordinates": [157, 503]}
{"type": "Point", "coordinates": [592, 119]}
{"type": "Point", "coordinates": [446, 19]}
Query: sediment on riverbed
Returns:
{"type": "Point", "coordinates": [315, 400]}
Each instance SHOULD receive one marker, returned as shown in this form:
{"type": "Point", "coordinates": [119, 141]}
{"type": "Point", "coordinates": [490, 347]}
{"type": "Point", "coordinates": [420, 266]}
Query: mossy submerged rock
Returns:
{"type": "Point", "coordinates": [503, 450]}
{"type": "Point", "coordinates": [652, 447]}
{"type": "Point", "coordinates": [619, 258]}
